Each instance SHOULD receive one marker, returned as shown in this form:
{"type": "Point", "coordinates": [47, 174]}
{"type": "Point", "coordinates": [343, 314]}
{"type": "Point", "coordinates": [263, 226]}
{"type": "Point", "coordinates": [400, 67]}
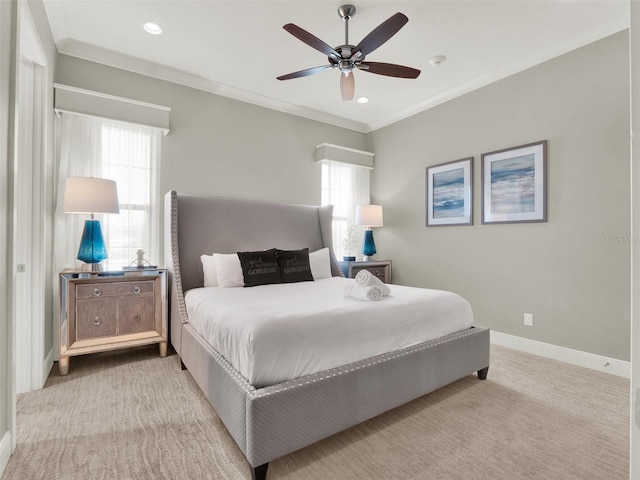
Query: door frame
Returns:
{"type": "Point", "coordinates": [634, 67]}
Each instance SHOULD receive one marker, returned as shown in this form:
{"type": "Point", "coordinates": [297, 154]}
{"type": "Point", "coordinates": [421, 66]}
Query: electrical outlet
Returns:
{"type": "Point", "coordinates": [528, 319]}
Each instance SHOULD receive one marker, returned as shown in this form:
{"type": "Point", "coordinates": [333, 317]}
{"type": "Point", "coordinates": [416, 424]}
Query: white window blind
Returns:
{"type": "Point", "coordinates": [344, 186]}
{"type": "Point", "coordinates": [129, 155]}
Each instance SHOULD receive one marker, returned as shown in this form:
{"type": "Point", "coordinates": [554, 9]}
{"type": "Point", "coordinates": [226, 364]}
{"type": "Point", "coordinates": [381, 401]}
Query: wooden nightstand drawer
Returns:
{"type": "Point", "coordinates": [135, 315]}
{"type": "Point", "coordinates": [92, 290]}
{"type": "Point", "coordinates": [95, 318]}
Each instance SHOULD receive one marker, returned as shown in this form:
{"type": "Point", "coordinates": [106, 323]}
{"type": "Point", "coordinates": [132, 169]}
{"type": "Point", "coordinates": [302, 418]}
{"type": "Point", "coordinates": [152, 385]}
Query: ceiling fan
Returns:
{"type": "Point", "coordinates": [348, 57]}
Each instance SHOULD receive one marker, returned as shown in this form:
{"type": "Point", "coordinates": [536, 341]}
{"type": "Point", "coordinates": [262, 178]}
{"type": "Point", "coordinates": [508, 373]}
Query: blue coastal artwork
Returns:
{"type": "Point", "coordinates": [448, 194]}
{"type": "Point", "coordinates": [513, 185]}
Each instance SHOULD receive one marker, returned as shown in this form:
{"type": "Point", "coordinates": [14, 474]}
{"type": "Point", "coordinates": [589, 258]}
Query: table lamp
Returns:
{"type": "Point", "coordinates": [369, 216]}
{"type": "Point", "coordinates": [91, 195]}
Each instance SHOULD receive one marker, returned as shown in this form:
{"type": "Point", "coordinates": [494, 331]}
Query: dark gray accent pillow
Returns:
{"type": "Point", "coordinates": [260, 268]}
{"type": "Point", "coordinates": [294, 265]}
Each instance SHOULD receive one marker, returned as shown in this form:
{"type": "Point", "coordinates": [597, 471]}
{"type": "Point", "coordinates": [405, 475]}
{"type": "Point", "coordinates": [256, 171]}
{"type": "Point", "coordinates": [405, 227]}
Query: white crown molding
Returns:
{"type": "Point", "coordinates": [600, 363]}
{"type": "Point", "coordinates": [86, 51]}
{"type": "Point", "coordinates": [501, 73]}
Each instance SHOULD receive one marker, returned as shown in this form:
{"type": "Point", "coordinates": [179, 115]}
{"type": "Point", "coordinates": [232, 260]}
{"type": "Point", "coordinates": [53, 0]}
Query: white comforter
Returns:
{"type": "Point", "coordinates": [275, 333]}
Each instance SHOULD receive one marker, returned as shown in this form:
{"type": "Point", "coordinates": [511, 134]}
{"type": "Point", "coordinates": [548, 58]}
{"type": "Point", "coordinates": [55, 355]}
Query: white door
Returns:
{"type": "Point", "coordinates": [28, 207]}
{"type": "Point", "coordinates": [23, 243]}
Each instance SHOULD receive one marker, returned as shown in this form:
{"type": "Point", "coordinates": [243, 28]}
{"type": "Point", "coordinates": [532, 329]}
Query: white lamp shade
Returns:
{"type": "Point", "coordinates": [90, 195]}
{"type": "Point", "coordinates": [369, 215]}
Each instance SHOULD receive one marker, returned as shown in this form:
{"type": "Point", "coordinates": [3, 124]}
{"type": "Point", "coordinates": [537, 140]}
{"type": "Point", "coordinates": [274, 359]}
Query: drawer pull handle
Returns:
{"type": "Point", "coordinates": [96, 321]}
{"type": "Point", "coordinates": [97, 292]}
{"type": "Point", "coordinates": [137, 317]}
{"type": "Point", "coordinates": [136, 289]}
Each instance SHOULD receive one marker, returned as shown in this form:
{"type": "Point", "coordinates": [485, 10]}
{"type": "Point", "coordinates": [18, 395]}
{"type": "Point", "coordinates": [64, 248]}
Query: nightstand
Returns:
{"type": "Point", "coordinates": [108, 310]}
{"type": "Point", "coordinates": [380, 268]}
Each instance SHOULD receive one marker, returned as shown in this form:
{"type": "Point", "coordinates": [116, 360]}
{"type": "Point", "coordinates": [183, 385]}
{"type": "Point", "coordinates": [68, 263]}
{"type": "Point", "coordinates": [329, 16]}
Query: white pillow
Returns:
{"type": "Point", "coordinates": [228, 270]}
{"type": "Point", "coordinates": [209, 271]}
{"type": "Point", "coordinates": [320, 264]}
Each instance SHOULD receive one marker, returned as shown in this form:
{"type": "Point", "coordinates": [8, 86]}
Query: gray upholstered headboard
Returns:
{"type": "Point", "coordinates": [198, 225]}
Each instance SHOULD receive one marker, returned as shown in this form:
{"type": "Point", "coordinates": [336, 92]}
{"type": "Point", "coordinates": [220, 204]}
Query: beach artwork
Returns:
{"type": "Point", "coordinates": [450, 193]}
{"type": "Point", "coordinates": [514, 184]}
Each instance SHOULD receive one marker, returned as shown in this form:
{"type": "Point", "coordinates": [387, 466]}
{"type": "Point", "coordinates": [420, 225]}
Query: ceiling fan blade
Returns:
{"type": "Point", "coordinates": [311, 40]}
{"type": "Point", "coordinates": [347, 86]}
{"type": "Point", "coordinates": [304, 73]}
{"type": "Point", "coordinates": [381, 34]}
{"type": "Point", "coordinates": [389, 69]}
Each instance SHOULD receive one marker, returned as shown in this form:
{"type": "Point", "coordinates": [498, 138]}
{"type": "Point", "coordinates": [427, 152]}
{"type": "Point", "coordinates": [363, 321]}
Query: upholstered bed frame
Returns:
{"type": "Point", "coordinates": [267, 423]}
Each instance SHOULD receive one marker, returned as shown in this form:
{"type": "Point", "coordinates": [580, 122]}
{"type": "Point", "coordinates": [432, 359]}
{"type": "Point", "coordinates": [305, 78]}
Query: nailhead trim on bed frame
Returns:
{"type": "Point", "coordinates": [230, 369]}
{"type": "Point", "coordinates": [175, 255]}
{"type": "Point", "coordinates": [344, 369]}
{"type": "Point", "coordinates": [254, 392]}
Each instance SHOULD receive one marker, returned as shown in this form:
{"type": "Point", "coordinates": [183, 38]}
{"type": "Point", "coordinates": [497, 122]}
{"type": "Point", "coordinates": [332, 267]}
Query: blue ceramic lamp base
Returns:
{"type": "Point", "coordinates": [369, 246]}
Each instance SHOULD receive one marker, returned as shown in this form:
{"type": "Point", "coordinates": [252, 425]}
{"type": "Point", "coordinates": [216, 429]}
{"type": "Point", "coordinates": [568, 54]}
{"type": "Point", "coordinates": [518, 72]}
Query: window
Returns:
{"type": "Point", "coordinates": [344, 186]}
{"type": "Point", "coordinates": [128, 156]}
{"type": "Point", "coordinates": [89, 146]}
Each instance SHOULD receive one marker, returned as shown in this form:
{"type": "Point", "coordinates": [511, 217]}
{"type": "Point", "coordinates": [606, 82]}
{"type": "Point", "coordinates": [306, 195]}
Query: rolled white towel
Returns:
{"type": "Point", "coordinates": [365, 278]}
{"type": "Point", "coordinates": [369, 293]}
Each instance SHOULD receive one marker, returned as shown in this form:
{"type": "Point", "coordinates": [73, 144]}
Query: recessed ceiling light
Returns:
{"type": "Point", "coordinates": [363, 100]}
{"type": "Point", "coordinates": [152, 28]}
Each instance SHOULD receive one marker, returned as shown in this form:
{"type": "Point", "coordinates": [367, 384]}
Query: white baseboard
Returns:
{"type": "Point", "coordinates": [563, 354]}
{"type": "Point", "coordinates": [5, 451]}
{"type": "Point", "coordinates": [46, 367]}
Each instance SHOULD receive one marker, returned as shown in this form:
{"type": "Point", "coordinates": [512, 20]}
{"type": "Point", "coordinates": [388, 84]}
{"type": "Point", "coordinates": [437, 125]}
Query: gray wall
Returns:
{"type": "Point", "coordinates": [572, 272]}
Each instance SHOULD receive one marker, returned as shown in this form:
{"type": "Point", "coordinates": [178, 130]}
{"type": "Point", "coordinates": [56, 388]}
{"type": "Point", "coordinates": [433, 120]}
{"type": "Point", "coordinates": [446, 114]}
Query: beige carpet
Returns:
{"type": "Point", "coordinates": [132, 415]}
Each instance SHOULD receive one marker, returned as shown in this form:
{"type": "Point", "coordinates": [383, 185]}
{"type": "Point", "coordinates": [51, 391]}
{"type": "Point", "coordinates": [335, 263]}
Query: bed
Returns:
{"type": "Point", "coordinates": [269, 417]}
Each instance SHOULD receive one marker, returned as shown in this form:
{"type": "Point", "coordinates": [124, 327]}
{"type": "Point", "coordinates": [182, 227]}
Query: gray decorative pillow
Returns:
{"type": "Point", "coordinates": [260, 268]}
{"type": "Point", "coordinates": [294, 265]}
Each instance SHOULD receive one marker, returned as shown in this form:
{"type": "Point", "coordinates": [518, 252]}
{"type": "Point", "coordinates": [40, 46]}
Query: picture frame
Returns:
{"type": "Point", "coordinates": [449, 193]}
{"type": "Point", "coordinates": [514, 184]}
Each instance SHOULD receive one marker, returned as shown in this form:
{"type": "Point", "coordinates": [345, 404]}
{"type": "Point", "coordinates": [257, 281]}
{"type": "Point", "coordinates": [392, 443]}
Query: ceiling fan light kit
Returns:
{"type": "Point", "coordinates": [347, 58]}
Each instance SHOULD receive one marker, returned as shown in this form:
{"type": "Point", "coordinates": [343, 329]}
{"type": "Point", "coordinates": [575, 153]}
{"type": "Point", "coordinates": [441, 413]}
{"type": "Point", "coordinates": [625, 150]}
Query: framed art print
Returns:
{"type": "Point", "coordinates": [514, 184]}
{"type": "Point", "coordinates": [450, 193]}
